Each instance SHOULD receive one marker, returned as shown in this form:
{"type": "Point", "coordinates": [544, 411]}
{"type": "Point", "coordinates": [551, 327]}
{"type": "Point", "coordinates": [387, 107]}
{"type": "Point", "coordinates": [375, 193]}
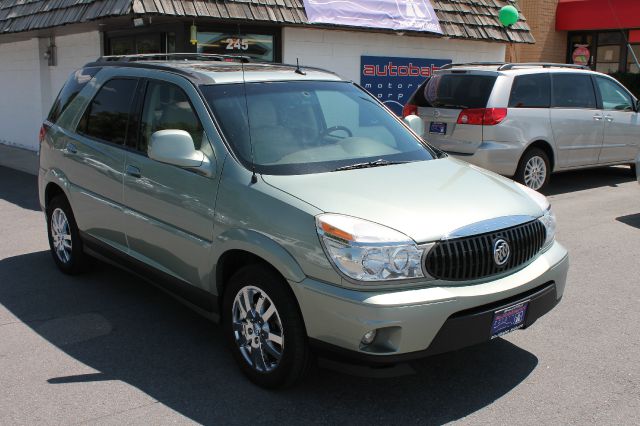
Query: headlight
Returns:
{"type": "Point", "coordinates": [549, 222]}
{"type": "Point", "coordinates": [366, 251]}
{"type": "Point", "coordinates": [548, 219]}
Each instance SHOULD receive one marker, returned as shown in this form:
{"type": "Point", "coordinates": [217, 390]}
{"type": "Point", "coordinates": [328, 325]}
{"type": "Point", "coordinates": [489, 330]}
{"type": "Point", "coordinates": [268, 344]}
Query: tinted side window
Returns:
{"type": "Point", "coordinates": [573, 91]}
{"type": "Point", "coordinates": [614, 97]}
{"type": "Point", "coordinates": [531, 91]}
{"type": "Point", "coordinates": [167, 107]}
{"type": "Point", "coordinates": [74, 85]}
{"type": "Point", "coordinates": [107, 115]}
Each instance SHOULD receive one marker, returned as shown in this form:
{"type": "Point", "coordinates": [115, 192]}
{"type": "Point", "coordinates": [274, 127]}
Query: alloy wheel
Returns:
{"type": "Point", "coordinates": [61, 235]}
{"type": "Point", "coordinates": [257, 329]}
{"type": "Point", "coordinates": [535, 173]}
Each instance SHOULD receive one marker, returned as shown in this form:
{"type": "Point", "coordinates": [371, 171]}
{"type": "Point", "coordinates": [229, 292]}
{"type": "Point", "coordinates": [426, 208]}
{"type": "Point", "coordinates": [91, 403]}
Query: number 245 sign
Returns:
{"type": "Point", "coordinates": [237, 44]}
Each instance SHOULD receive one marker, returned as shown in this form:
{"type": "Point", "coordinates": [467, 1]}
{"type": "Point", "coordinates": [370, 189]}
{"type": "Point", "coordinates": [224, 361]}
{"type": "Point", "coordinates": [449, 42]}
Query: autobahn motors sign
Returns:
{"type": "Point", "coordinates": [393, 80]}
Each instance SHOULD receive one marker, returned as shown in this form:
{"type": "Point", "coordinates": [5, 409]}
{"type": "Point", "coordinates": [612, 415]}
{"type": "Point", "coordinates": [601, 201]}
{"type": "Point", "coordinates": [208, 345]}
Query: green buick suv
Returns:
{"type": "Point", "coordinates": [292, 207]}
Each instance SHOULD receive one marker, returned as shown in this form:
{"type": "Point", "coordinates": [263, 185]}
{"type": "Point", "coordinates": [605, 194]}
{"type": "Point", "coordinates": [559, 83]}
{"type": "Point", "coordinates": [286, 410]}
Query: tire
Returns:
{"type": "Point", "coordinates": [63, 230]}
{"type": "Point", "coordinates": [533, 163]}
{"type": "Point", "coordinates": [276, 362]}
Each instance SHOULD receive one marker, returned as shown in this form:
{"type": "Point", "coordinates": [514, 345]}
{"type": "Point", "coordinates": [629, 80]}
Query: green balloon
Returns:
{"type": "Point", "coordinates": [508, 16]}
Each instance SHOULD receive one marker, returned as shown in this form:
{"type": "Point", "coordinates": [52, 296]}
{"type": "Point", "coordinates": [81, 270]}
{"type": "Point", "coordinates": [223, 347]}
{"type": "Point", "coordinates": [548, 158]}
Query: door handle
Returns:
{"type": "Point", "coordinates": [133, 171]}
{"type": "Point", "coordinates": [71, 148]}
{"type": "Point", "coordinates": [597, 117]}
{"type": "Point", "coordinates": [608, 118]}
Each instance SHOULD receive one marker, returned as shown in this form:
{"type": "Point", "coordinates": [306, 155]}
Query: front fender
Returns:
{"type": "Point", "coordinates": [262, 246]}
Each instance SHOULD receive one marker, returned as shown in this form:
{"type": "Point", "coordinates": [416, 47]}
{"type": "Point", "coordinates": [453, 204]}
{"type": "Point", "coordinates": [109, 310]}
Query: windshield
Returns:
{"type": "Point", "coordinates": [459, 90]}
{"type": "Point", "coordinates": [310, 127]}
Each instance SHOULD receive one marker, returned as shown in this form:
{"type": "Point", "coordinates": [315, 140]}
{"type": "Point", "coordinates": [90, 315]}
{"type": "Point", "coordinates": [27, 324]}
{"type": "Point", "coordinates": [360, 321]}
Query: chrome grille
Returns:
{"type": "Point", "coordinates": [471, 258]}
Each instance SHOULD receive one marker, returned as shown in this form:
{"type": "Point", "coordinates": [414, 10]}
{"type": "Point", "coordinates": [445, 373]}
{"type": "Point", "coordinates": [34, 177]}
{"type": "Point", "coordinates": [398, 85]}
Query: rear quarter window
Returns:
{"type": "Point", "coordinates": [531, 91]}
{"type": "Point", "coordinates": [459, 90]}
{"type": "Point", "coordinates": [74, 85]}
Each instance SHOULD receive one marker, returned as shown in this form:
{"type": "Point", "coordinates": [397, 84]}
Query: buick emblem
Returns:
{"type": "Point", "coordinates": [436, 113]}
{"type": "Point", "coordinates": [501, 252]}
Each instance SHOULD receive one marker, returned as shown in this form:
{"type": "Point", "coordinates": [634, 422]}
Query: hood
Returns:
{"type": "Point", "coordinates": [424, 200]}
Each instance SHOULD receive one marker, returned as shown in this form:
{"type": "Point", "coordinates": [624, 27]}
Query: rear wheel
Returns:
{"type": "Point", "coordinates": [264, 328]}
{"type": "Point", "coordinates": [534, 169]}
{"type": "Point", "coordinates": [64, 238]}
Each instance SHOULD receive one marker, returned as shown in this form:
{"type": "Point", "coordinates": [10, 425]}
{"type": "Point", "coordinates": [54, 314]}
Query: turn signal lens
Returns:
{"type": "Point", "coordinates": [409, 109]}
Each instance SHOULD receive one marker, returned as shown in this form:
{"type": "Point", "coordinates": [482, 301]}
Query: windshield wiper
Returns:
{"type": "Point", "coordinates": [377, 163]}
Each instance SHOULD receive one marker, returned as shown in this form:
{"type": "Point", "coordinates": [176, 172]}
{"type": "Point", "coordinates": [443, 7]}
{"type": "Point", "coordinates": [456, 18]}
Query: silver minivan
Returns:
{"type": "Point", "coordinates": [294, 208]}
{"type": "Point", "coordinates": [528, 120]}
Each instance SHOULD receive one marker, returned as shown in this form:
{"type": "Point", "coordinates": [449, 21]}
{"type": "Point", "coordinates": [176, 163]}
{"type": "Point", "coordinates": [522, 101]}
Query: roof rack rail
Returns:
{"type": "Point", "coordinates": [468, 64]}
{"type": "Point", "coordinates": [173, 56]}
{"type": "Point", "coordinates": [541, 64]}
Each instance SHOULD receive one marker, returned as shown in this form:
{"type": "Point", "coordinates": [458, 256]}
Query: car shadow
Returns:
{"type": "Point", "coordinates": [130, 331]}
{"type": "Point", "coordinates": [631, 220]}
{"type": "Point", "coordinates": [579, 180]}
{"type": "Point", "coordinates": [19, 188]}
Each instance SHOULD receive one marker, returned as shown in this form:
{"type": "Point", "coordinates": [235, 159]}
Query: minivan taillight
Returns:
{"type": "Point", "coordinates": [409, 109]}
{"type": "Point", "coordinates": [43, 133]}
{"type": "Point", "coordinates": [480, 116]}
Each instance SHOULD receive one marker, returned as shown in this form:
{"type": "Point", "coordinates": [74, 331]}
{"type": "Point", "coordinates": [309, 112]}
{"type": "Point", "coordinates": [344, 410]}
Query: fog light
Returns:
{"type": "Point", "coordinates": [368, 337]}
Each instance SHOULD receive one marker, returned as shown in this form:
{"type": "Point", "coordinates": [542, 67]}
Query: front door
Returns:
{"type": "Point", "coordinates": [621, 126]}
{"type": "Point", "coordinates": [576, 121]}
{"type": "Point", "coordinates": [168, 209]}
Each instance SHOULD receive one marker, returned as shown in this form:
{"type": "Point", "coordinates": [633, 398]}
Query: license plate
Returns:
{"type": "Point", "coordinates": [508, 319]}
{"type": "Point", "coordinates": [438, 128]}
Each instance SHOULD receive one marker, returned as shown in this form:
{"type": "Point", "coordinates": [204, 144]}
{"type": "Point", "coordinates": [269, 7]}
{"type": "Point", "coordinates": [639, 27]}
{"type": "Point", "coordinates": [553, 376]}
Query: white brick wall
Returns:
{"type": "Point", "coordinates": [29, 86]}
{"type": "Point", "coordinates": [340, 51]}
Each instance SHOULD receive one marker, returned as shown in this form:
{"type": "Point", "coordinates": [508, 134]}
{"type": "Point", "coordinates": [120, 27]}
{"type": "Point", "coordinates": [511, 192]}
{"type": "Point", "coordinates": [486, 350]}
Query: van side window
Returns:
{"type": "Point", "coordinates": [531, 91]}
{"type": "Point", "coordinates": [107, 116]}
{"type": "Point", "coordinates": [573, 91]}
{"type": "Point", "coordinates": [166, 106]}
{"type": "Point", "coordinates": [614, 97]}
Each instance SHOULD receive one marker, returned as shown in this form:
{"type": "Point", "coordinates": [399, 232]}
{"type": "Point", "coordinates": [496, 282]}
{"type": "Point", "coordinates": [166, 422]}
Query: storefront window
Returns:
{"type": "Point", "coordinates": [135, 44]}
{"type": "Point", "coordinates": [608, 54]}
{"type": "Point", "coordinates": [631, 64]}
{"type": "Point", "coordinates": [257, 46]}
{"type": "Point", "coordinates": [608, 59]}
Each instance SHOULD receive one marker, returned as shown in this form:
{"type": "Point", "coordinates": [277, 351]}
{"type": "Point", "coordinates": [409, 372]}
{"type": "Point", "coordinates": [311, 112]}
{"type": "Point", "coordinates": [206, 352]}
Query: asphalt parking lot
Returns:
{"type": "Point", "coordinates": [107, 348]}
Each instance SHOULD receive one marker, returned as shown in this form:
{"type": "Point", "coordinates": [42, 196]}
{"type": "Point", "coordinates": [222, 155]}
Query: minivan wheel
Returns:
{"type": "Point", "coordinates": [64, 238]}
{"type": "Point", "coordinates": [264, 328]}
{"type": "Point", "coordinates": [534, 169]}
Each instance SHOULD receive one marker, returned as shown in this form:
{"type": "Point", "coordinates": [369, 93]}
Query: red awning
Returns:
{"type": "Point", "coordinates": [575, 15]}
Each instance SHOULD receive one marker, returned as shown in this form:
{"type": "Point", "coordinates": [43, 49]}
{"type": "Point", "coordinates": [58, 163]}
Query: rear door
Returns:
{"type": "Point", "coordinates": [621, 127]}
{"type": "Point", "coordinates": [576, 121]}
{"type": "Point", "coordinates": [446, 96]}
{"type": "Point", "coordinates": [94, 160]}
{"type": "Point", "coordinates": [169, 210]}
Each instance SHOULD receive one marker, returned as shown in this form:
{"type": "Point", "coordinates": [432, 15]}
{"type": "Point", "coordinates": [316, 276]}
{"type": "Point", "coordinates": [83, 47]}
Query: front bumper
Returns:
{"type": "Point", "coordinates": [420, 322]}
{"type": "Point", "coordinates": [499, 157]}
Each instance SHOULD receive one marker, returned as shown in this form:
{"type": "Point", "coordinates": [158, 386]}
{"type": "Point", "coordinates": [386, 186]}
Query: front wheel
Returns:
{"type": "Point", "coordinates": [264, 328]}
{"type": "Point", "coordinates": [534, 169]}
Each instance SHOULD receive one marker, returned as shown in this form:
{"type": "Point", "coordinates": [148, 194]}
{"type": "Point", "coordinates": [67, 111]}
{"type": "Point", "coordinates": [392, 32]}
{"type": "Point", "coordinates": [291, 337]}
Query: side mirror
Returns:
{"type": "Point", "coordinates": [176, 147]}
{"type": "Point", "coordinates": [415, 123]}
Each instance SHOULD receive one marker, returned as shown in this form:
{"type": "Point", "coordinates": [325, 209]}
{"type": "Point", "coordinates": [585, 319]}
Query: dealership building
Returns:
{"type": "Point", "coordinates": [43, 41]}
{"type": "Point", "coordinates": [601, 34]}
